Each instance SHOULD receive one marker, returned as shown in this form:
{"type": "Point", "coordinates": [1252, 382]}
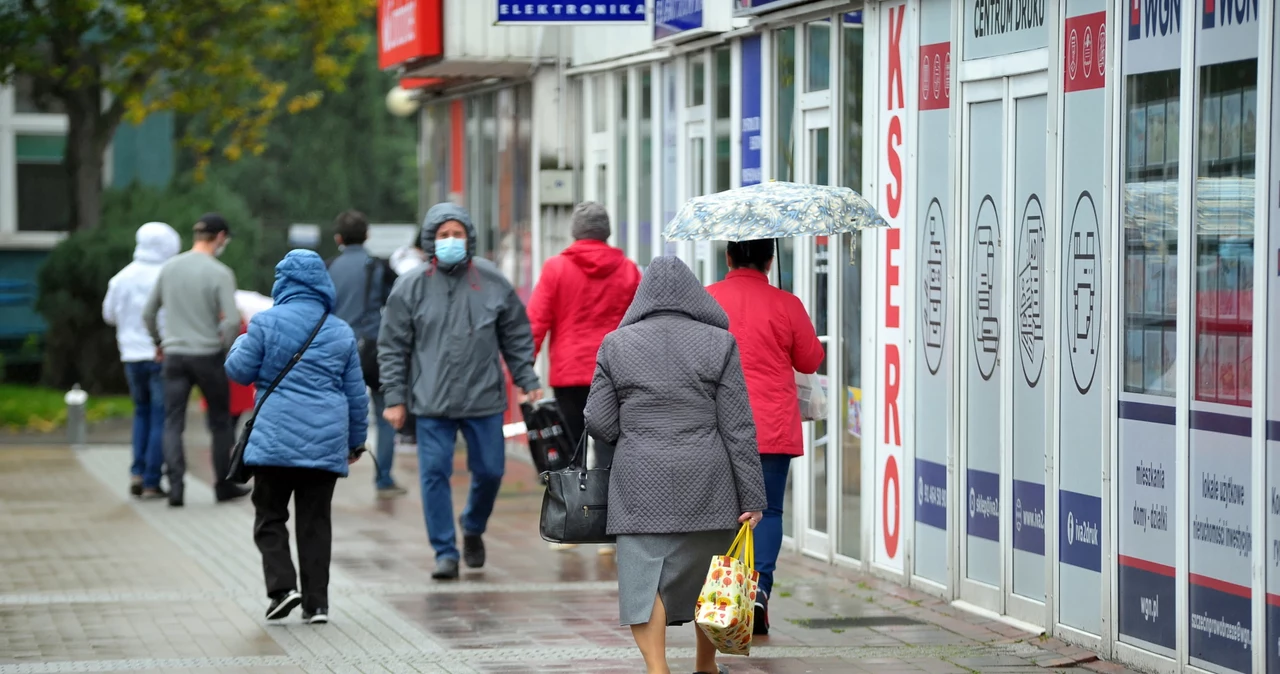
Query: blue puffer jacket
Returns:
{"type": "Point", "coordinates": [320, 410]}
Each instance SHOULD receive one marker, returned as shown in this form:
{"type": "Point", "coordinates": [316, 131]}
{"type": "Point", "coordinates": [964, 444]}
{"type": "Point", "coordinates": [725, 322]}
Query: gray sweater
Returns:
{"type": "Point", "coordinates": [669, 391]}
{"type": "Point", "coordinates": [198, 294]}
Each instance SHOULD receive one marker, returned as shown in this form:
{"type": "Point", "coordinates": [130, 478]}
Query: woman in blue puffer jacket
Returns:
{"type": "Point", "coordinates": [301, 441]}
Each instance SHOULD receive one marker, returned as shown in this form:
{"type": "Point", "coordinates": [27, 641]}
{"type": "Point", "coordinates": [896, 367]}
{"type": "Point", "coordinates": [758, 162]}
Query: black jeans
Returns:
{"type": "Point", "coordinates": [312, 493]}
{"type": "Point", "coordinates": [572, 401]}
{"type": "Point", "coordinates": [180, 374]}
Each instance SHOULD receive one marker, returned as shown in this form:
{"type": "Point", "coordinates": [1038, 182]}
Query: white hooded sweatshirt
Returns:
{"type": "Point", "coordinates": [127, 291]}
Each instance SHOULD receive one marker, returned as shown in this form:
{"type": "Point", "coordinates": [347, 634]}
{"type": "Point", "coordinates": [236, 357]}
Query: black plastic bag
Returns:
{"type": "Point", "coordinates": [550, 441]}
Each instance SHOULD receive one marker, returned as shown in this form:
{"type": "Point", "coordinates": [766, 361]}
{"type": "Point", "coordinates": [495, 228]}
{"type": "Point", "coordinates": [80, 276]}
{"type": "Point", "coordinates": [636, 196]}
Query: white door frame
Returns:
{"type": "Point", "coordinates": [972, 591]}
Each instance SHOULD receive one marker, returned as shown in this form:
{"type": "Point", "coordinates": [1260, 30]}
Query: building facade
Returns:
{"type": "Point", "coordinates": [1053, 377]}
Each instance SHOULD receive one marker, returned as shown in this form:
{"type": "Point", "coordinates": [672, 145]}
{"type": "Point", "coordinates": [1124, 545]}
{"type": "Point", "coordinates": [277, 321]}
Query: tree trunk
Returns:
{"type": "Point", "coordinates": [86, 145]}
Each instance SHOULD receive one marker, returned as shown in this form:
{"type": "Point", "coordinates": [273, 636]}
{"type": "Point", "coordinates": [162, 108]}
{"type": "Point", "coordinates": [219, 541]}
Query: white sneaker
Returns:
{"type": "Point", "coordinates": [606, 550]}
{"type": "Point", "coordinates": [561, 547]}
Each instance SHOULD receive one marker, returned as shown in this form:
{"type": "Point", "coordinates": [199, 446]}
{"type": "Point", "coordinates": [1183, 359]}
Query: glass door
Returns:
{"type": "Point", "coordinates": [983, 169]}
{"type": "Point", "coordinates": [819, 465]}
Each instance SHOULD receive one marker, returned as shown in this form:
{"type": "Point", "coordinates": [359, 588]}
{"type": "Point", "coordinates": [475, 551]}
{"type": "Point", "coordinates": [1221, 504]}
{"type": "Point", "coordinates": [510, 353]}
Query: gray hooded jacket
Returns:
{"type": "Point", "coordinates": [444, 329]}
{"type": "Point", "coordinates": [669, 391]}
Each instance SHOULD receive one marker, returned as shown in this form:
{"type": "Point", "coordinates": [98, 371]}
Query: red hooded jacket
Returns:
{"type": "Point", "coordinates": [581, 296]}
{"type": "Point", "coordinates": [775, 339]}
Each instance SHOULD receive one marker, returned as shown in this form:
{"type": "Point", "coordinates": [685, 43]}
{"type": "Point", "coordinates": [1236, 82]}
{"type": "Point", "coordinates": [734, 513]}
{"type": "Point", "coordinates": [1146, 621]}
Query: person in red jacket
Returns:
{"type": "Point", "coordinates": [581, 296]}
{"type": "Point", "coordinates": [775, 338]}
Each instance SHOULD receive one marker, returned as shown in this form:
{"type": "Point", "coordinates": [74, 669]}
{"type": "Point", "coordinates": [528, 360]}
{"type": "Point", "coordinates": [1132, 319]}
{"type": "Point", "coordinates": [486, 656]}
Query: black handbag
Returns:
{"type": "Point", "coordinates": [238, 473]}
{"type": "Point", "coordinates": [550, 441]}
{"type": "Point", "coordinates": [575, 506]}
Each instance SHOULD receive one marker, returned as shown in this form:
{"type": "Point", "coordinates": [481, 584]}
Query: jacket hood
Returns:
{"type": "Point", "coordinates": [596, 259]}
{"type": "Point", "coordinates": [669, 286]}
{"type": "Point", "coordinates": [440, 214]}
{"type": "Point", "coordinates": [301, 275]}
{"type": "Point", "coordinates": [156, 242]}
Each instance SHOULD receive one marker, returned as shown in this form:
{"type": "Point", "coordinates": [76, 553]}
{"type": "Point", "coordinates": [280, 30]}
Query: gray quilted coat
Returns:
{"type": "Point", "coordinates": [668, 392]}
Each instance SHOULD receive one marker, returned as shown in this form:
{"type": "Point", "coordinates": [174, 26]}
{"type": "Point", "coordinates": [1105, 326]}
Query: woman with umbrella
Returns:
{"type": "Point", "coordinates": [775, 334]}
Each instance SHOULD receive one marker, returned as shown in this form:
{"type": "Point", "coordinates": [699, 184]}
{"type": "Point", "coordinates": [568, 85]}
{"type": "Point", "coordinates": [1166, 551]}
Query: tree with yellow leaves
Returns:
{"type": "Point", "coordinates": [108, 61]}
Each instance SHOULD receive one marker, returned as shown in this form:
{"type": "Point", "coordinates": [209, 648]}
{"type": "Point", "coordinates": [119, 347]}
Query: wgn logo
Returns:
{"type": "Point", "coordinates": [1229, 12]}
{"type": "Point", "coordinates": [1152, 18]}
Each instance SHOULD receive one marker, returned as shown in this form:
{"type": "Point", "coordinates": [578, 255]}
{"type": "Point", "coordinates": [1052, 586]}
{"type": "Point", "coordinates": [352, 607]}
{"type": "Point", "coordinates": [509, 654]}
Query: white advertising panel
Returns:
{"type": "Point", "coordinates": [1031, 323]}
{"type": "Point", "coordinates": [998, 27]}
{"type": "Point", "coordinates": [984, 288]}
{"type": "Point", "coordinates": [1082, 239]}
{"type": "Point", "coordinates": [892, 202]}
{"type": "Point", "coordinates": [935, 241]}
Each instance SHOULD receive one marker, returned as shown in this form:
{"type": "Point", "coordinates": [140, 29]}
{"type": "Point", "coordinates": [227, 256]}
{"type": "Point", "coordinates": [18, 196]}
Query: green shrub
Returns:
{"type": "Point", "coordinates": [79, 346]}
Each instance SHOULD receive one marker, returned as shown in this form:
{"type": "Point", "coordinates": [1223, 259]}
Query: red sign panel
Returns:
{"type": "Point", "coordinates": [935, 76]}
{"type": "Point", "coordinates": [411, 83]}
{"type": "Point", "coordinates": [409, 30]}
{"type": "Point", "coordinates": [1084, 53]}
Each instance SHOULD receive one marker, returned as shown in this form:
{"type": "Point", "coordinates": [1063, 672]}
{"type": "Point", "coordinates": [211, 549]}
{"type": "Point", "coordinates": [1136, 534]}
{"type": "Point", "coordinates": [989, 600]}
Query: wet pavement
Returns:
{"type": "Point", "coordinates": [91, 580]}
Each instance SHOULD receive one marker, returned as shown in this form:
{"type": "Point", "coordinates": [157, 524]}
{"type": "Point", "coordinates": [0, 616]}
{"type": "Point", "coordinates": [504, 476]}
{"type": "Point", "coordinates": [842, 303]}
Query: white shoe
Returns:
{"type": "Point", "coordinates": [606, 550]}
{"type": "Point", "coordinates": [561, 547]}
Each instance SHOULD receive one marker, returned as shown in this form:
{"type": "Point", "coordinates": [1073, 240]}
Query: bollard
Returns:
{"type": "Point", "coordinates": [76, 424]}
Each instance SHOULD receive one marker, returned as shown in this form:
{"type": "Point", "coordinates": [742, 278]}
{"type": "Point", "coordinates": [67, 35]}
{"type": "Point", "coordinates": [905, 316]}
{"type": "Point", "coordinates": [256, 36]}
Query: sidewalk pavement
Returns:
{"type": "Point", "coordinates": [91, 580]}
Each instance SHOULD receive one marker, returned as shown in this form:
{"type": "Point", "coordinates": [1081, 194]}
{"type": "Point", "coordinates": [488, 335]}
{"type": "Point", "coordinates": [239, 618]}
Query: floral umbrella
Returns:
{"type": "Point", "coordinates": [773, 210]}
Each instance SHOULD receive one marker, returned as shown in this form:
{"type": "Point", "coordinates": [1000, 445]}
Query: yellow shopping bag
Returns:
{"type": "Point", "coordinates": [726, 606]}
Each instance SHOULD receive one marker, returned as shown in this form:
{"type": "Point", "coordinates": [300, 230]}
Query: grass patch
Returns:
{"type": "Point", "coordinates": [36, 409]}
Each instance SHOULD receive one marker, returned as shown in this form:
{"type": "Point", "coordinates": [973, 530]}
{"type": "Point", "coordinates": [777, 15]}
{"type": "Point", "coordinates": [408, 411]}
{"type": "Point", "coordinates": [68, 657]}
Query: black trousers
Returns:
{"type": "Point", "coordinates": [312, 493]}
{"type": "Point", "coordinates": [572, 401]}
{"type": "Point", "coordinates": [180, 374]}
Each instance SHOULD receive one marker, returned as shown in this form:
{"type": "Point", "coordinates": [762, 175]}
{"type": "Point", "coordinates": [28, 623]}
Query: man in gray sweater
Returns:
{"type": "Point", "coordinates": [197, 293]}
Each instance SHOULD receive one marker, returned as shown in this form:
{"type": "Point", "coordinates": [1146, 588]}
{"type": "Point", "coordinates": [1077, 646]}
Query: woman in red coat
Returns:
{"type": "Point", "coordinates": [776, 339]}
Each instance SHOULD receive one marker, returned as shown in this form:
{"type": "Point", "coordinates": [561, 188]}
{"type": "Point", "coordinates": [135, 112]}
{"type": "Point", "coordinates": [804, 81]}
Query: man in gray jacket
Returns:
{"type": "Point", "coordinates": [197, 293]}
{"type": "Point", "coordinates": [442, 332]}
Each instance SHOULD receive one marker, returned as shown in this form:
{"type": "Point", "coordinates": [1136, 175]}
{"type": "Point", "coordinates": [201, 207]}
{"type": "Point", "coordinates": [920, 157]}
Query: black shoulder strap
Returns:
{"type": "Point", "coordinates": [288, 366]}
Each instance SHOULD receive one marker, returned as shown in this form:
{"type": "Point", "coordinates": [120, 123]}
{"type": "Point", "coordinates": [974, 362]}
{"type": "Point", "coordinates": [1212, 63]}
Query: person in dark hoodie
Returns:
{"type": "Point", "coordinates": [443, 330]}
{"type": "Point", "coordinates": [307, 432]}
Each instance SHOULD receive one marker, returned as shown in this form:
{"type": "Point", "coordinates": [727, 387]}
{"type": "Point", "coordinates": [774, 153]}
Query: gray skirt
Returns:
{"type": "Point", "coordinates": [672, 565]}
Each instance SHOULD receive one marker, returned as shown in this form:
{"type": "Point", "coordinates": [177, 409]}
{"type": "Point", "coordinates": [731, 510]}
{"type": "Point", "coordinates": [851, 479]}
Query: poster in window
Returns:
{"type": "Point", "coordinates": [1210, 118]}
{"type": "Point", "coordinates": [1206, 367]}
{"type": "Point", "coordinates": [1170, 361]}
{"type": "Point", "coordinates": [1133, 361]}
{"type": "Point", "coordinates": [1246, 370]}
{"type": "Point", "coordinates": [1231, 122]}
{"type": "Point", "coordinates": [1246, 285]}
{"type": "Point", "coordinates": [1228, 368]}
{"type": "Point", "coordinates": [1206, 288]}
{"type": "Point", "coordinates": [1171, 113]}
{"type": "Point", "coordinates": [1134, 276]}
{"type": "Point", "coordinates": [1137, 137]}
{"type": "Point", "coordinates": [1171, 287]}
{"type": "Point", "coordinates": [1229, 280]}
{"type": "Point", "coordinates": [1152, 360]}
{"type": "Point", "coordinates": [1155, 134]}
{"type": "Point", "coordinates": [1249, 126]}
{"type": "Point", "coordinates": [1153, 294]}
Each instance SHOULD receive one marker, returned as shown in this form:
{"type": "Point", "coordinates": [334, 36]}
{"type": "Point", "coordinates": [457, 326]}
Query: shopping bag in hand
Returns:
{"type": "Point", "coordinates": [549, 440]}
{"type": "Point", "coordinates": [812, 396]}
{"type": "Point", "coordinates": [726, 606]}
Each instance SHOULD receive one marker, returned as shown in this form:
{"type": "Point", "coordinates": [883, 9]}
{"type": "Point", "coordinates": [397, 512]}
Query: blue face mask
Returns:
{"type": "Point", "coordinates": [451, 251]}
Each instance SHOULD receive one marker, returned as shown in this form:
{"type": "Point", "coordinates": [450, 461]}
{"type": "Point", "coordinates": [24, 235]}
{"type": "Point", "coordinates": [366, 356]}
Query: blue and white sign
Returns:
{"type": "Point", "coordinates": [1080, 530]}
{"type": "Point", "coordinates": [931, 494]}
{"type": "Point", "coordinates": [752, 139]}
{"type": "Point", "coordinates": [673, 17]}
{"type": "Point", "coordinates": [629, 12]}
{"type": "Point", "coordinates": [1028, 517]}
{"type": "Point", "coordinates": [984, 504]}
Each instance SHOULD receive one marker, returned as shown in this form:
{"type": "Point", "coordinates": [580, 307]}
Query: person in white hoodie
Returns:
{"type": "Point", "coordinates": [127, 294]}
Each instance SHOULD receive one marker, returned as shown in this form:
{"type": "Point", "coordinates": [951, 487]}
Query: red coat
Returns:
{"type": "Point", "coordinates": [580, 297]}
{"type": "Point", "coordinates": [775, 338]}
